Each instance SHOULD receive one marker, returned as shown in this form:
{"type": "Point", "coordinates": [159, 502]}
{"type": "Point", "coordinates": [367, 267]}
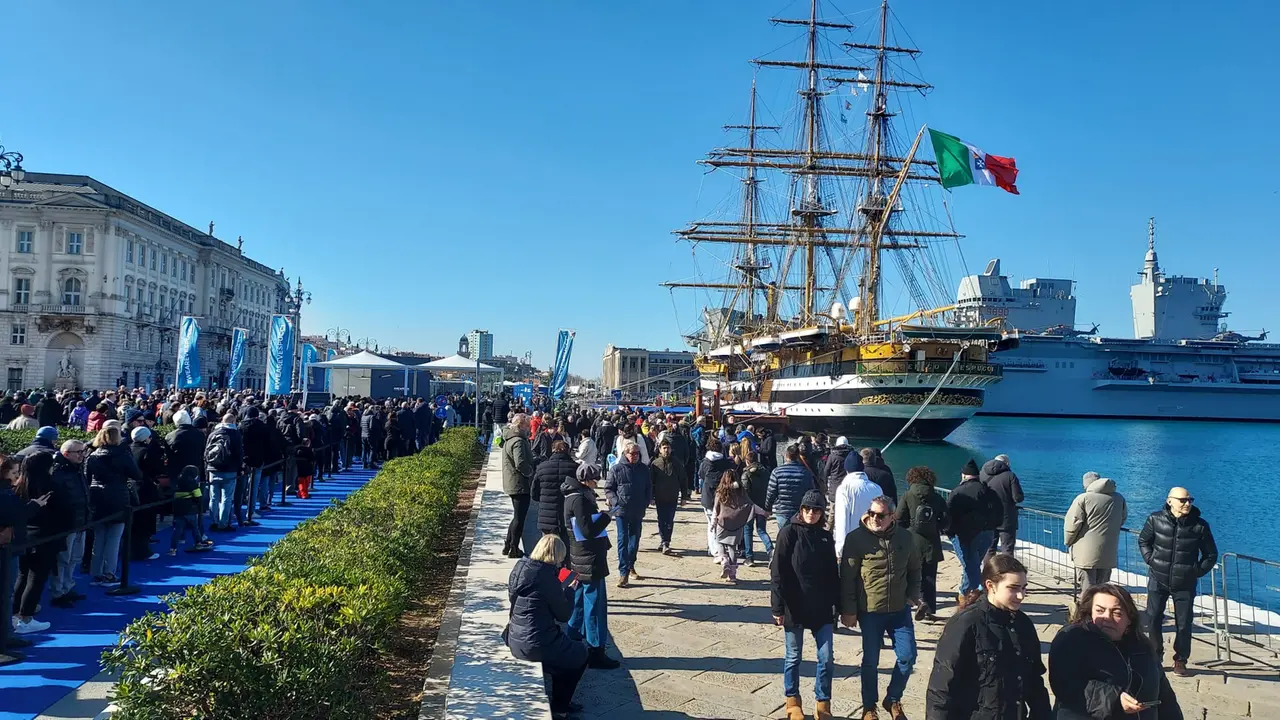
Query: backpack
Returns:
{"type": "Point", "coordinates": [217, 453]}
{"type": "Point", "coordinates": [924, 521]}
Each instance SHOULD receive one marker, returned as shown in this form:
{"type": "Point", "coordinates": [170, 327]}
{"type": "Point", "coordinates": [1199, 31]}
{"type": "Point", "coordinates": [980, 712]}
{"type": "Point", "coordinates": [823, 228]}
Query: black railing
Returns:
{"type": "Point", "coordinates": [10, 553]}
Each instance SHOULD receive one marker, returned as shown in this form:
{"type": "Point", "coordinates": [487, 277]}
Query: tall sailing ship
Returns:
{"type": "Point", "coordinates": [799, 328]}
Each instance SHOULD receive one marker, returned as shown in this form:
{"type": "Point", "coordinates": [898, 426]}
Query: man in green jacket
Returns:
{"type": "Point", "coordinates": [517, 473]}
{"type": "Point", "coordinates": [879, 584]}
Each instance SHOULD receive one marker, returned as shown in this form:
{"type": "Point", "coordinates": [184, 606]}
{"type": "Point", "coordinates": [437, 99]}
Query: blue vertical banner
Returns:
{"type": "Point", "coordinates": [239, 341]}
{"type": "Point", "coordinates": [280, 356]}
{"type": "Point", "coordinates": [188, 375]}
{"type": "Point", "coordinates": [560, 374]}
{"type": "Point", "coordinates": [329, 354]}
{"type": "Point", "coordinates": [309, 355]}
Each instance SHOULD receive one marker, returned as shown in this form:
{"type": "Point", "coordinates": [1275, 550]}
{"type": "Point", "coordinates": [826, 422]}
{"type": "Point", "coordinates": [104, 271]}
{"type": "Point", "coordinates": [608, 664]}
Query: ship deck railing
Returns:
{"type": "Point", "coordinates": [1238, 602]}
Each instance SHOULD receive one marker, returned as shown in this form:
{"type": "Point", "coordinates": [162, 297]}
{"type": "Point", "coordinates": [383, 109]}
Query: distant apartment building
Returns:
{"type": "Point", "coordinates": [643, 373]}
{"type": "Point", "coordinates": [478, 341]}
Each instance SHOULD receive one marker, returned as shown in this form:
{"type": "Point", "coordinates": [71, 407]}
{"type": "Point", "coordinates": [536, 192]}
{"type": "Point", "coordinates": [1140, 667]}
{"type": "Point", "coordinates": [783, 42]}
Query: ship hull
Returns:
{"type": "Point", "coordinates": [1048, 377]}
{"type": "Point", "coordinates": [854, 406]}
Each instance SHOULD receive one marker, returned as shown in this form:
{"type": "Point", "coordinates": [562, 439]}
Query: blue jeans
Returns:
{"type": "Point", "coordinates": [223, 496]}
{"type": "Point", "coordinates": [628, 542]}
{"type": "Point", "coordinates": [590, 617]}
{"type": "Point", "coordinates": [666, 522]}
{"type": "Point", "coordinates": [782, 520]}
{"type": "Point", "coordinates": [791, 662]}
{"type": "Point", "coordinates": [970, 554]}
{"type": "Point", "coordinates": [761, 524]}
{"type": "Point", "coordinates": [902, 633]}
{"type": "Point", "coordinates": [265, 485]}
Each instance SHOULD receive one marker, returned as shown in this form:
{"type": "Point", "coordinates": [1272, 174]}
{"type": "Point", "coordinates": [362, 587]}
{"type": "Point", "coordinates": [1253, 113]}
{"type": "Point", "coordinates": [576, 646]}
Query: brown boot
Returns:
{"type": "Point", "coordinates": [822, 711]}
{"type": "Point", "coordinates": [894, 709]}
{"type": "Point", "coordinates": [1180, 668]}
{"type": "Point", "coordinates": [869, 713]}
{"type": "Point", "coordinates": [794, 710]}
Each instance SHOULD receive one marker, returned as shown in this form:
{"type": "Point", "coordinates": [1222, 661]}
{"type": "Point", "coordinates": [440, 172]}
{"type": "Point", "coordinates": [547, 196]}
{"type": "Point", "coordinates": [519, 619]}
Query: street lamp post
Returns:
{"type": "Point", "coordinates": [367, 342]}
{"type": "Point", "coordinates": [293, 305]}
{"type": "Point", "coordinates": [337, 333]}
{"type": "Point", "coordinates": [11, 171]}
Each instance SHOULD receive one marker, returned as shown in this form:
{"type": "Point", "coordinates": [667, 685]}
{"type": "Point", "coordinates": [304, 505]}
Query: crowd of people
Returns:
{"type": "Point", "coordinates": [846, 551]}
{"type": "Point", "coordinates": [228, 457]}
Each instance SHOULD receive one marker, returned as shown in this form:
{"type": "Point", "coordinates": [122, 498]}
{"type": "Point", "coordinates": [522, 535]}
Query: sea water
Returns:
{"type": "Point", "coordinates": [1227, 467]}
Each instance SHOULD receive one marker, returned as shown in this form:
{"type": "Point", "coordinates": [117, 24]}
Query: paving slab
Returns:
{"type": "Point", "coordinates": [694, 645]}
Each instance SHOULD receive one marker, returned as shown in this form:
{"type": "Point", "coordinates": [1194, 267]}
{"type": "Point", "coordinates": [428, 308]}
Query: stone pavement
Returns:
{"type": "Point", "coordinates": [693, 645]}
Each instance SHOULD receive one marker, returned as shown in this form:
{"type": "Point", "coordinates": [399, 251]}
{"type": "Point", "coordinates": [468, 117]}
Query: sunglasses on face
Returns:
{"type": "Point", "coordinates": [876, 515]}
{"type": "Point", "coordinates": [1184, 500]}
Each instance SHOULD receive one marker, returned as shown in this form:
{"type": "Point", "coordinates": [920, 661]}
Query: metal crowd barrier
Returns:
{"type": "Point", "coordinates": [9, 554]}
{"type": "Point", "coordinates": [1041, 546]}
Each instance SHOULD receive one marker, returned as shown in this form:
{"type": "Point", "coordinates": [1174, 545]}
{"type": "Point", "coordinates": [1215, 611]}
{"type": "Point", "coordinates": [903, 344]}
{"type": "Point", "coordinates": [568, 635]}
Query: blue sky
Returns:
{"type": "Point", "coordinates": [429, 167]}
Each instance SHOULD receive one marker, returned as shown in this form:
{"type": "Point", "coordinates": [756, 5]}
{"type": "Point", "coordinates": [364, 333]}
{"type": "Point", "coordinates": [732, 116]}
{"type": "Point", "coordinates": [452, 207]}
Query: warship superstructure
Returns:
{"type": "Point", "coordinates": [1182, 363]}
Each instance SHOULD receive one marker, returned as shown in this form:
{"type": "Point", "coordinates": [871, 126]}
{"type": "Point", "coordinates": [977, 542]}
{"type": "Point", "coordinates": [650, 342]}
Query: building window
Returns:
{"type": "Point", "coordinates": [127, 337]}
{"type": "Point", "coordinates": [164, 263]}
{"type": "Point", "coordinates": [139, 299]}
{"type": "Point", "coordinates": [15, 379]}
{"type": "Point", "coordinates": [18, 334]}
{"type": "Point", "coordinates": [151, 300]}
{"type": "Point", "coordinates": [191, 305]}
{"type": "Point", "coordinates": [173, 271]}
{"type": "Point", "coordinates": [153, 258]}
{"type": "Point", "coordinates": [26, 241]}
{"type": "Point", "coordinates": [173, 302]}
{"type": "Point", "coordinates": [184, 271]}
{"type": "Point", "coordinates": [75, 243]}
{"type": "Point", "coordinates": [21, 291]}
{"type": "Point", "coordinates": [128, 251]}
{"type": "Point", "coordinates": [71, 291]}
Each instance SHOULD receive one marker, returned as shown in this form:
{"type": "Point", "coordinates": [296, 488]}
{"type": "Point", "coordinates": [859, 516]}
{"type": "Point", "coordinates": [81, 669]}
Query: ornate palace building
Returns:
{"type": "Point", "coordinates": [93, 284]}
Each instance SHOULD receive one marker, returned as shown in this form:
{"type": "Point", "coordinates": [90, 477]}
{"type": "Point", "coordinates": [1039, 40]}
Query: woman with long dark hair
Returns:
{"type": "Point", "coordinates": [987, 664]}
{"type": "Point", "coordinates": [1104, 668]}
{"type": "Point", "coordinates": [30, 483]}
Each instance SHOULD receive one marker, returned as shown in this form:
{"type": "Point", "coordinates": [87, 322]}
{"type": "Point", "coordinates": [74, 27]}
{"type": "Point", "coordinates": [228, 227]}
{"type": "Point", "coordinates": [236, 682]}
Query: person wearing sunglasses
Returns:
{"type": "Point", "coordinates": [1179, 549]}
{"type": "Point", "coordinates": [879, 584]}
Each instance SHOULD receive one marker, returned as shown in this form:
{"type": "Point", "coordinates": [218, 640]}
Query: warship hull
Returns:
{"type": "Point", "coordinates": [1087, 378]}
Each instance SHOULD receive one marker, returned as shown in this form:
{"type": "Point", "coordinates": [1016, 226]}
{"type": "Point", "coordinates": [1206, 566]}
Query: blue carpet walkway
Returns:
{"type": "Point", "coordinates": [64, 657]}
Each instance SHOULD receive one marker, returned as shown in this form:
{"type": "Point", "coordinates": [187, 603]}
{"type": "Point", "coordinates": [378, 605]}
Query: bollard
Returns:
{"type": "Point", "coordinates": [126, 552]}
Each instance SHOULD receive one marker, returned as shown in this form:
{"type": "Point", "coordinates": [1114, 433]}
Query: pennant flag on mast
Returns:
{"type": "Point", "coordinates": [239, 337]}
{"type": "Point", "coordinates": [960, 163]}
{"type": "Point", "coordinates": [188, 375]}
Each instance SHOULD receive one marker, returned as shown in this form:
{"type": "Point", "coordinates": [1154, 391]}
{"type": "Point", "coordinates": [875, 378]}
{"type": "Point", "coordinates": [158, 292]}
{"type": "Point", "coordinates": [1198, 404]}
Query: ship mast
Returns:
{"type": "Point", "coordinates": [811, 162]}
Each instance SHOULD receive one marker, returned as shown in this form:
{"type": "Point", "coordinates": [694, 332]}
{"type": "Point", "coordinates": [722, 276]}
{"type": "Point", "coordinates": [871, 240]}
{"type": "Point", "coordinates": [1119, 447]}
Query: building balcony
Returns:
{"type": "Point", "coordinates": [55, 309]}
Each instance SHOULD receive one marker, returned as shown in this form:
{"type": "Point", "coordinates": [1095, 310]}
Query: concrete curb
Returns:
{"type": "Point", "coordinates": [435, 689]}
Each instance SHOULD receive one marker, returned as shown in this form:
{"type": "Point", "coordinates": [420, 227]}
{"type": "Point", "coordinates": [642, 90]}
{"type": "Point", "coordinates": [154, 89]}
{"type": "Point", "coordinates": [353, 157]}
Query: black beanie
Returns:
{"type": "Point", "coordinates": [970, 468]}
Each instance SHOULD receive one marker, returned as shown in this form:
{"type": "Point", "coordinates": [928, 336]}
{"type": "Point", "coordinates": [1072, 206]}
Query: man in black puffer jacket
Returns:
{"type": "Point", "coordinates": [547, 479]}
{"type": "Point", "coordinates": [1178, 546]}
{"type": "Point", "coordinates": [833, 470]}
{"type": "Point", "coordinates": [589, 558]}
{"type": "Point", "coordinates": [879, 472]}
{"type": "Point", "coordinates": [997, 475]}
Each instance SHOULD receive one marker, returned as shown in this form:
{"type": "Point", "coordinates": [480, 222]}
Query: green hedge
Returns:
{"type": "Point", "coordinates": [11, 441]}
{"type": "Point", "coordinates": [296, 634]}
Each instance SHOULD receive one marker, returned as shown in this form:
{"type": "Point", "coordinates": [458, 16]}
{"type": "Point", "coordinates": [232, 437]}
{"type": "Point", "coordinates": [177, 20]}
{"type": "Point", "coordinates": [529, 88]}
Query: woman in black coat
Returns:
{"type": "Point", "coordinates": [150, 458]}
{"type": "Point", "coordinates": [393, 441]}
{"type": "Point", "coordinates": [23, 507]}
{"type": "Point", "coordinates": [1101, 667]}
{"type": "Point", "coordinates": [589, 558]}
{"type": "Point", "coordinates": [547, 479]}
{"type": "Point", "coordinates": [987, 664]}
{"type": "Point", "coordinates": [805, 588]}
{"type": "Point", "coordinates": [539, 603]}
{"type": "Point", "coordinates": [112, 474]}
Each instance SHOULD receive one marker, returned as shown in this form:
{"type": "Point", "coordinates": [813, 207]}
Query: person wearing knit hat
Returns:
{"type": "Point", "coordinates": [26, 419]}
{"type": "Point", "coordinates": [853, 499]}
{"type": "Point", "coordinates": [974, 512]}
{"type": "Point", "coordinates": [805, 582]}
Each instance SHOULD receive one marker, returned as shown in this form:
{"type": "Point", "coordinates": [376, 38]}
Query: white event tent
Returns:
{"type": "Point", "coordinates": [363, 360]}
{"type": "Point", "coordinates": [457, 363]}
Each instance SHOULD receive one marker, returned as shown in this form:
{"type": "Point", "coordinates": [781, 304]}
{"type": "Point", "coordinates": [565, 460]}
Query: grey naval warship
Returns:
{"type": "Point", "coordinates": [1182, 364]}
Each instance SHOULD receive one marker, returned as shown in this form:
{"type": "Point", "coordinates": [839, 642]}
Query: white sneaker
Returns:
{"type": "Point", "coordinates": [34, 626]}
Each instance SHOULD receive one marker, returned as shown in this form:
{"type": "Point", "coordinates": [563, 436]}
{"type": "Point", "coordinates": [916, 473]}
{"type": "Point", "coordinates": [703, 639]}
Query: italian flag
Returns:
{"type": "Point", "coordinates": [960, 163]}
